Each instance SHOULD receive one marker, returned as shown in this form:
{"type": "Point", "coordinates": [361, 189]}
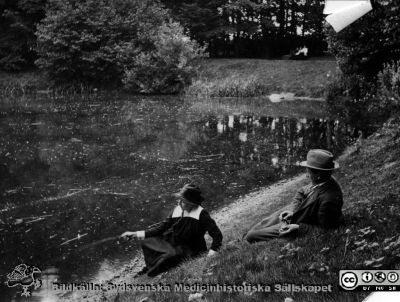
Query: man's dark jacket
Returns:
{"type": "Point", "coordinates": [319, 205]}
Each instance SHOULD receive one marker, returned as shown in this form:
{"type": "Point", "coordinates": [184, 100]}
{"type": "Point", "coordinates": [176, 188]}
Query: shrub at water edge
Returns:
{"type": "Point", "coordinates": [104, 42]}
{"type": "Point", "coordinates": [169, 66]}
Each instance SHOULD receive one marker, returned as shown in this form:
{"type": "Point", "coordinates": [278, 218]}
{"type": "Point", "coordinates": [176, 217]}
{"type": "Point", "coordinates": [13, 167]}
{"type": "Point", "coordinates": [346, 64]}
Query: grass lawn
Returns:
{"type": "Point", "coordinates": [370, 239]}
{"type": "Point", "coordinates": [255, 77]}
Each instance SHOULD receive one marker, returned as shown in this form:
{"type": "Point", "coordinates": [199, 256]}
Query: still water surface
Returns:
{"type": "Point", "coordinates": [76, 171]}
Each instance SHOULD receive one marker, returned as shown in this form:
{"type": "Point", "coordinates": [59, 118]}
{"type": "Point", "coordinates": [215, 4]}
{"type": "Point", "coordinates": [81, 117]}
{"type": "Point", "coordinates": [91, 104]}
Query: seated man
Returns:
{"type": "Point", "coordinates": [317, 204]}
{"type": "Point", "coordinates": [180, 236]}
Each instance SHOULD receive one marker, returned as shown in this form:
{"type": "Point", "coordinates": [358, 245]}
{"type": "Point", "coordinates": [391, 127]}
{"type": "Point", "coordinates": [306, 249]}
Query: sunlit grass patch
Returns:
{"type": "Point", "coordinates": [252, 77]}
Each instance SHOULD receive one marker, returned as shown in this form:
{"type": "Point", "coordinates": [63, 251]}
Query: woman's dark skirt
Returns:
{"type": "Point", "coordinates": [160, 255]}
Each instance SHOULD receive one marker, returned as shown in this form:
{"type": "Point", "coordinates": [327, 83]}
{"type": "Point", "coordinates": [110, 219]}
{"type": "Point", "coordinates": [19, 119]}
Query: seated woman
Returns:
{"type": "Point", "coordinates": [318, 204]}
{"type": "Point", "coordinates": [180, 235]}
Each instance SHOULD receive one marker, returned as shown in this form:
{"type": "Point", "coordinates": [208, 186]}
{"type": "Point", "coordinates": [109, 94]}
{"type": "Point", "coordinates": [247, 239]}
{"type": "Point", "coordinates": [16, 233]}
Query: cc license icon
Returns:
{"type": "Point", "coordinates": [367, 277]}
{"type": "Point", "coordinates": [380, 277]}
{"type": "Point", "coordinates": [392, 277]}
{"type": "Point", "coordinates": [349, 280]}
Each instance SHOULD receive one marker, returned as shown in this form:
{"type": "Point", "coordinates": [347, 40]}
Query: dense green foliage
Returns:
{"type": "Point", "coordinates": [389, 87]}
{"type": "Point", "coordinates": [201, 18]}
{"type": "Point", "coordinates": [362, 50]}
{"type": "Point", "coordinates": [107, 42]}
{"type": "Point", "coordinates": [228, 28]}
{"type": "Point", "coordinates": [363, 47]}
{"type": "Point", "coordinates": [168, 66]}
{"type": "Point", "coordinates": [92, 40]}
{"type": "Point", "coordinates": [18, 19]}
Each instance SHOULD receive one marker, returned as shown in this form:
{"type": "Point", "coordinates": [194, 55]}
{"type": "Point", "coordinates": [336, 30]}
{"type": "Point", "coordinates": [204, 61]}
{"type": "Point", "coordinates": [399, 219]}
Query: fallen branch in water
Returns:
{"type": "Point", "coordinates": [73, 239]}
{"type": "Point", "coordinates": [205, 157]}
{"type": "Point", "coordinates": [211, 155]}
{"type": "Point", "coordinates": [98, 191]}
{"type": "Point", "coordinates": [35, 217]}
{"type": "Point", "coordinates": [118, 194]}
{"type": "Point", "coordinates": [35, 220]}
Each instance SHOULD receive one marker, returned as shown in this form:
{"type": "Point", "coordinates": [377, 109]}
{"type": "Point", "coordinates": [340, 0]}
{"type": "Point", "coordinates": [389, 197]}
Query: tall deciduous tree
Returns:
{"type": "Point", "coordinates": [202, 19]}
{"type": "Point", "coordinates": [18, 19]}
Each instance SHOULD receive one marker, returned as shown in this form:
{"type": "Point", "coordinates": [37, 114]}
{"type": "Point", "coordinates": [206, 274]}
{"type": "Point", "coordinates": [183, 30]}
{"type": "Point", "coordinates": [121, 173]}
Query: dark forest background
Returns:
{"type": "Point", "coordinates": [228, 28]}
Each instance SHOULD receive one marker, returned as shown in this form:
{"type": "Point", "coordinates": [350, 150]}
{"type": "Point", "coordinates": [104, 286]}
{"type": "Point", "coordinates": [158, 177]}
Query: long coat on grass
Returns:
{"type": "Point", "coordinates": [313, 206]}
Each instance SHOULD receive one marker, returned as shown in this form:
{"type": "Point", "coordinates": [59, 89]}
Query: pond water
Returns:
{"type": "Point", "coordinates": [75, 171]}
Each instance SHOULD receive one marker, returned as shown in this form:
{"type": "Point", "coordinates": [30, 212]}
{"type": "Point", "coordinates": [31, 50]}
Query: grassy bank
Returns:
{"type": "Point", "coordinates": [21, 83]}
{"type": "Point", "coordinates": [255, 77]}
{"type": "Point", "coordinates": [217, 78]}
{"type": "Point", "coordinates": [369, 240]}
{"type": "Point", "coordinates": [34, 82]}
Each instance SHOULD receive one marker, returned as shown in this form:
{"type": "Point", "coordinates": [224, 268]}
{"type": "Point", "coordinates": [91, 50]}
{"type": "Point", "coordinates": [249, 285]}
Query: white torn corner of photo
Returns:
{"type": "Point", "coordinates": [342, 13]}
{"type": "Point", "coordinates": [383, 296]}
